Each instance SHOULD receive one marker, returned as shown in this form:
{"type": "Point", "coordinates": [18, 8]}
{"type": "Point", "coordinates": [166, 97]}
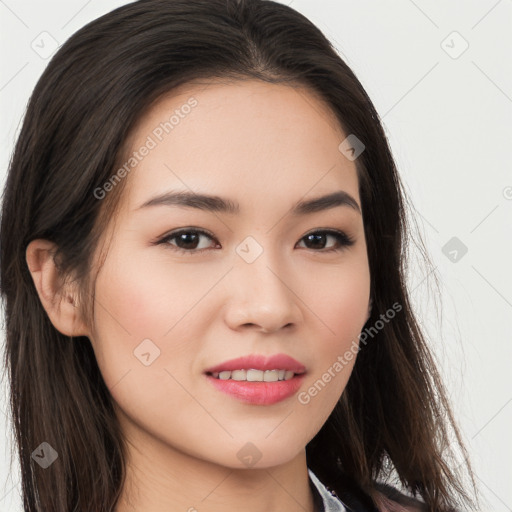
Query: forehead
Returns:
{"type": "Point", "coordinates": [239, 139]}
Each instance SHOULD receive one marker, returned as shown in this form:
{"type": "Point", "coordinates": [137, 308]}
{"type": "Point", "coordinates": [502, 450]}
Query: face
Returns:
{"type": "Point", "coordinates": [187, 287]}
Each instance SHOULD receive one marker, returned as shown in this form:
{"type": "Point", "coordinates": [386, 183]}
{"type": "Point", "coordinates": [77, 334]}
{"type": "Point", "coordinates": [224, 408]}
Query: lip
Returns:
{"type": "Point", "coordinates": [260, 362]}
{"type": "Point", "coordinates": [256, 392]}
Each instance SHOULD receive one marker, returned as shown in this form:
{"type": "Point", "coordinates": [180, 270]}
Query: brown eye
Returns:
{"type": "Point", "coordinates": [317, 240]}
{"type": "Point", "coordinates": [187, 240]}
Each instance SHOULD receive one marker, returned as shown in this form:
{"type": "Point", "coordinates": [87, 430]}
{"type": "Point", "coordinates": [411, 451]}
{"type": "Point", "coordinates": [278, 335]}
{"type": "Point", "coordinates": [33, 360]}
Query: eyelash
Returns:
{"type": "Point", "coordinates": [343, 239]}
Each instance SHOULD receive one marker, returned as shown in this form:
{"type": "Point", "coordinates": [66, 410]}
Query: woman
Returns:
{"type": "Point", "coordinates": [203, 253]}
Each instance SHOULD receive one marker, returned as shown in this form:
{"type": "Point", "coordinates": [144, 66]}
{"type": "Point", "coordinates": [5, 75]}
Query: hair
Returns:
{"type": "Point", "coordinates": [393, 420]}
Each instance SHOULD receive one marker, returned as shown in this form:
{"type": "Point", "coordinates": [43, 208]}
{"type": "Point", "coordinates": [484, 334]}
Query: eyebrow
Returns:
{"type": "Point", "coordinates": [212, 203]}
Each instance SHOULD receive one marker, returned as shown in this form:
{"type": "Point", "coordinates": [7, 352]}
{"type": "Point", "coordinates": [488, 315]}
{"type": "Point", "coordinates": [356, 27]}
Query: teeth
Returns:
{"type": "Point", "coordinates": [255, 375]}
{"type": "Point", "coordinates": [238, 375]}
{"type": "Point", "coordinates": [267, 375]}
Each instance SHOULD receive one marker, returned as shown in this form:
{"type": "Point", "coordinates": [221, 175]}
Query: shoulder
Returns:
{"type": "Point", "coordinates": [399, 501]}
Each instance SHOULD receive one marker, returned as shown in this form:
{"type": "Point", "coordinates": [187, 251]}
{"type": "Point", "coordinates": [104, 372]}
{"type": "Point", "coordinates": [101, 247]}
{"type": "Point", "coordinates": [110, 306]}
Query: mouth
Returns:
{"type": "Point", "coordinates": [254, 375]}
{"type": "Point", "coordinates": [258, 379]}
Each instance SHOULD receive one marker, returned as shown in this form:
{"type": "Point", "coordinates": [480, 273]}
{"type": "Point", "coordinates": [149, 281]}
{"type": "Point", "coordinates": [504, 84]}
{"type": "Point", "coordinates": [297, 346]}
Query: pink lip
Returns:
{"type": "Point", "coordinates": [259, 393]}
{"type": "Point", "coordinates": [259, 362]}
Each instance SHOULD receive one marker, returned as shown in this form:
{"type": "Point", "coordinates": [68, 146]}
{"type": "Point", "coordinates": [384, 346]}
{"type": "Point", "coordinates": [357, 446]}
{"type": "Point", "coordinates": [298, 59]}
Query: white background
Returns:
{"type": "Point", "coordinates": [449, 124]}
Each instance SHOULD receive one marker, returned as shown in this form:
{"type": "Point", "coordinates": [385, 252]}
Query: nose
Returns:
{"type": "Point", "coordinates": [261, 296]}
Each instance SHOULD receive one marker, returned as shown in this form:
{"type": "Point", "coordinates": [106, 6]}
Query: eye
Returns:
{"type": "Point", "coordinates": [188, 241]}
{"type": "Point", "coordinates": [317, 238]}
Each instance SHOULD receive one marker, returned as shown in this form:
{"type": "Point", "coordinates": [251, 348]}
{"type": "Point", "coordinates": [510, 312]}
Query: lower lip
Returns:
{"type": "Point", "coordinates": [259, 393]}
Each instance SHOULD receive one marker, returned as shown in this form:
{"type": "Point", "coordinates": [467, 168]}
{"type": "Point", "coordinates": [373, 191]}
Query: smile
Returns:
{"type": "Point", "coordinates": [253, 375]}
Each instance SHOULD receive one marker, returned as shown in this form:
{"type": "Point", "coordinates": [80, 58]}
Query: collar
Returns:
{"type": "Point", "coordinates": [324, 500]}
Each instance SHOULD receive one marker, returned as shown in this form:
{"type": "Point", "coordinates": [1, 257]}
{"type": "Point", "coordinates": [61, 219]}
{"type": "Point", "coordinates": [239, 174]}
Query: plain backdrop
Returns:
{"type": "Point", "coordinates": [440, 76]}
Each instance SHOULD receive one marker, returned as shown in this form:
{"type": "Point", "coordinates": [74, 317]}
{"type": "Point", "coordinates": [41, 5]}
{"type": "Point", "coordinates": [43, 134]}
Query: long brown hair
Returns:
{"type": "Point", "coordinates": [393, 417]}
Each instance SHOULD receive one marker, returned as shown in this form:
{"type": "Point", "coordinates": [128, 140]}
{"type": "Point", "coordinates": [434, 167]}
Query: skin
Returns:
{"type": "Point", "coordinates": [265, 146]}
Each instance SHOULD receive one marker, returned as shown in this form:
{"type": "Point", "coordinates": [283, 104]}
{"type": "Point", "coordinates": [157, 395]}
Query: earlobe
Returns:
{"type": "Point", "coordinates": [57, 297]}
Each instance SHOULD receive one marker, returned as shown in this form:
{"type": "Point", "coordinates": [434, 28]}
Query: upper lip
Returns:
{"type": "Point", "coordinates": [259, 362]}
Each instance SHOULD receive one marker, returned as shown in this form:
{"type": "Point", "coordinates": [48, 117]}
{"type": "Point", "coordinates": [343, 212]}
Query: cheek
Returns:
{"type": "Point", "coordinates": [135, 307]}
{"type": "Point", "coordinates": [338, 296]}
{"type": "Point", "coordinates": [145, 345]}
{"type": "Point", "coordinates": [148, 299]}
{"type": "Point", "coordinates": [340, 304]}
{"type": "Point", "coordinates": [151, 310]}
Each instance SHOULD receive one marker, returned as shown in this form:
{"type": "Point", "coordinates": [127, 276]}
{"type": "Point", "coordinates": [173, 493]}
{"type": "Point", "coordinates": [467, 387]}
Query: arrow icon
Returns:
{"type": "Point", "coordinates": [247, 252]}
{"type": "Point", "coordinates": [454, 254]}
{"type": "Point", "coordinates": [249, 454]}
{"type": "Point", "coordinates": [146, 352]}
{"type": "Point", "coordinates": [351, 147]}
{"type": "Point", "coordinates": [44, 455]}
{"type": "Point", "coordinates": [454, 249]}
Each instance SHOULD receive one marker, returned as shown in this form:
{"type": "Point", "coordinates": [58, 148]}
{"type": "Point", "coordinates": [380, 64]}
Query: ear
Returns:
{"type": "Point", "coordinates": [58, 298]}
